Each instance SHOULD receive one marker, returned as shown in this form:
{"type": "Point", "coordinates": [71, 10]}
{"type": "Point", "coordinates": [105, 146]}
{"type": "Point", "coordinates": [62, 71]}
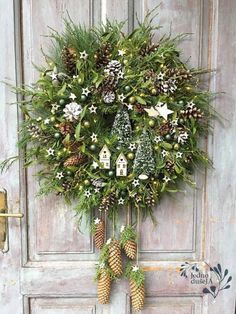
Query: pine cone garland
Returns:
{"type": "Point", "coordinates": [130, 248]}
{"type": "Point", "coordinates": [99, 235]}
{"type": "Point", "coordinates": [75, 160]}
{"type": "Point", "coordinates": [104, 287]}
{"type": "Point", "coordinates": [114, 260]}
{"type": "Point", "coordinates": [69, 57]}
{"type": "Point", "coordinates": [137, 295]}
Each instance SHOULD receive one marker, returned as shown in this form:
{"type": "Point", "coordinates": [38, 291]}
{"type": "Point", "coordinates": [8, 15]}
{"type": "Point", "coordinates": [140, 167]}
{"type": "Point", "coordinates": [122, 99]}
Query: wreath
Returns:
{"type": "Point", "coordinates": [114, 120]}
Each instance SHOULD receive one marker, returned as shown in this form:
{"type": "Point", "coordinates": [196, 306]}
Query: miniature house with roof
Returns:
{"type": "Point", "coordinates": [104, 158]}
{"type": "Point", "coordinates": [121, 166]}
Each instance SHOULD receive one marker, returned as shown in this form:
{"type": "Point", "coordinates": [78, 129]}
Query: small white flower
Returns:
{"type": "Point", "coordinates": [135, 268]}
{"type": "Point", "coordinates": [121, 201]}
{"type": "Point", "coordinates": [179, 155]}
{"type": "Point", "coordinates": [72, 111]}
{"type": "Point", "coordinates": [53, 76]}
{"type": "Point", "coordinates": [59, 175]}
{"type": "Point", "coordinates": [166, 179]}
{"type": "Point", "coordinates": [121, 98]}
{"type": "Point", "coordinates": [121, 53]}
{"type": "Point", "coordinates": [120, 75]}
{"type": "Point", "coordinates": [157, 139]}
{"type": "Point", "coordinates": [92, 109]}
{"type": "Point", "coordinates": [50, 152]}
{"type": "Point", "coordinates": [87, 193]}
{"type": "Point", "coordinates": [95, 165]}
{"type": "Point", "coordinates": [85, 91]}
{"type": "Point", "coordinates": [164, 153]}
{"type": "Point", "coordinates": [130, 107]}
{"type": "Point", "coordinates": [108, 241]}
{"type": "Point", "coordinates": [122, 228]}
{"type": "Point", "coordinates": [72, 96]}
{"type": "Point", "coordinates": [94, 137]}
{"type": "Point", "coordinates": [83, 55]}
{"type": "Point", "coordinates": [135, 182]}
{"type": "Point", "coordinates": [132, 146]}
{"type": "Point", "coordinates": [96, 221]}
{"type": "Point", "coordinates": [47, 121]}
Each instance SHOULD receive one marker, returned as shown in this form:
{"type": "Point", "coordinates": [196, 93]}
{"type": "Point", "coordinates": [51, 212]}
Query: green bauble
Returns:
{"type": "Point", "coordinates": [111, 173]}
{"type": "Point", "coordinates": [53, 119]}
{"type": "Point", "coordinates": [151, 123]}
{"type": "Point", "coordinates": [181, 102]}
{"type": "Point", "coordinates": [132, 99]}
{"type": "Point", "coordinates": [86, 124]}
{"type": "Point", "coordinates": [123, 193]}
{"type": "Point", "coordinates": [62, 101]}
{"type": "Point", "coordinates": [168, 137]}
{"type": "Point", "coordinates": [93, 147]}
{"type": "Point", "coordinates": [86, 182]}
{"type": "Point", "coordinates": [68, 172]}
{"type": "Point", "coordinates": [153, 91]}
{"type": "Point", "coordinates": [57, 135]}
{"type": "Point", "coordinates": [181, 120]}
{"type": "Point", "coordinates": [80, 81]}
{"type": "Point", "coordinates": [130, 156]}
{"type": "Point", "coordinates": [127, 88]}
{"type": "Point", "coordinates": [83, 98]}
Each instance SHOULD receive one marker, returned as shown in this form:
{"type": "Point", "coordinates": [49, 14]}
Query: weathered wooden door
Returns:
{"type": "Point", "coordinates": [48, 266]}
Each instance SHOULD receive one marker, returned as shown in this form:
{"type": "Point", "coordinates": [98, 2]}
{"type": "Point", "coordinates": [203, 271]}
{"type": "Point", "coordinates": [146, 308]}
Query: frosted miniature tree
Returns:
{"type": "Point", "coordinates": [144, 163]}
{"type": "Point", "coordinates": [122, 128]}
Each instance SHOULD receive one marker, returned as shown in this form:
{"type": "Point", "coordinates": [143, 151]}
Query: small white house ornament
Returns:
{"type": "Point", "coordinates": [121, 166]}
{"type": "Point", "coordinates": [104, 158]}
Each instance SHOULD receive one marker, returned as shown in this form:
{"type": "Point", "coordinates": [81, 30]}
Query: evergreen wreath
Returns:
{"type": "Point", "coordinates": [114, 120]}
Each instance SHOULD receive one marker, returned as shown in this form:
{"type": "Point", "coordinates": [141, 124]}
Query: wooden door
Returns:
{"type": "Point", "coordinates": [48, 266]}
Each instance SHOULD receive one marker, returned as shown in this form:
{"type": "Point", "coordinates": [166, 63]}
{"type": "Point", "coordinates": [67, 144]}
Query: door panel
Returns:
{"type": "Point", "coordinates": [52, 263]}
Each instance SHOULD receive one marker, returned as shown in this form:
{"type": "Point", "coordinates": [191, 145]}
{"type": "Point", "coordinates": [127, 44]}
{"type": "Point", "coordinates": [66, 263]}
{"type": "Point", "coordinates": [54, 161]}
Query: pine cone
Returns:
{"type": "Point", "coordinates": [138, 108]}
{"type": "Point", "coordinates": [192, 113]}
{"type": "Point", "coordinates": [69, 57]}
{"type": "Point", "coordinates": [102, 56]}
{"type": "Point", "coordinates": [165, 128]}
{"type": "Point", "coordinates": [113, 67]}
{"type": "Point", "coordinates": [104, 287]}
{"type": "Point", "coordinates": [130, 248]}
{"type": "Point", "coordinates": [150, 200]}
{"type": "Point", "coordinates": [114, 259]}
{"type": "Point", "coordinates": [137, 295]}
{"type": "Point", "coordinates": [108, 96]}
{"type": "Point", "coordinates": [99, 236]}
{"type": "Point", "coordinates": [148, 49]}
{"type": "Point", "coordinates": [107, 201]}
{"type": "Point", "coordinates": [169, 166]}
{"type": "Point", "coordinates": [75, 160]}
{"type": "Point", "coordinates": [65, 128]}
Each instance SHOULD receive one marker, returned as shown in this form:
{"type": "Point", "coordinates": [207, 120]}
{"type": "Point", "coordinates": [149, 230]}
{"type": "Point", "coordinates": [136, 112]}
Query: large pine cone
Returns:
{"type": "Point", "coordinates": [114, 260]}
{"type": "Point", "coordinates": [69, 57]}
{"type": "Point", "coordinates": [99, 236]}
{"type": "Point", "coordinates": [104, 287]}
{"type": "Point", "coordinates": [137, 295]}
{"type": "Point", "coordinates": [130, 248]}
{"type": "Point", "coordinates": [75, 160]}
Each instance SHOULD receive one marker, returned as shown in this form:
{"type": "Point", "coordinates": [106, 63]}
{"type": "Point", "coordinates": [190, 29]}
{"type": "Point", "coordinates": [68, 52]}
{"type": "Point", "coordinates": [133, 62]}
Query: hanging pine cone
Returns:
{"type": "Point", "coordinates": [65, 128]}
{"type": "Point", "coordinates": [69, 57]}
{"type": "Point", "coordinates": [75, 160]}
{"type": "Point", "coordinates": [102, 56]}
{"type": "Point", "coordinates": [104, 287]}
{"type": "Point", "coordinates": [165, 128]}
{"type": "Point", "coordinates": [130, 248]}
{"type": "Point", "coordinates": [99, 235]}
{"type": "Point", "coordinates": [137, 295]}
{"type": "Point", "coordinates": [107, 201]}
{"type": "Point", "coordinates": [114, 259]}
{"type": "Point", "coordinates": [193, 112]}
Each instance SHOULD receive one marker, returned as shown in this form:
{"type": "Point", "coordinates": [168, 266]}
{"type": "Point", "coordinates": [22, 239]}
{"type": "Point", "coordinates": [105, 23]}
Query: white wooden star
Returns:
{"type": "Point", "coordinates": [108, 241]}
{"type": "Point", "coordinates": [120, 75]}
{"type": "Point", "coordinates": [157, 139]}
{"type": "Point", "coordinates": [94, 137]}
{"type": "Point", "coordinates": [179, 155]}
{"type": "Point", "coordinates": [59, 175]}
{"type": "Point", "coordinates": [190, 104]}
{"type": "Point", "coordinates": [47, 121]}
{"type": "Point", "coordinates": [164, 153]}
{"type": "Point", "coordinates": [50, 152]}
{"type": "Point", "coordinates": [122, 228]}
{"type": "Point", "coordinates": [135, 268]}
{"type": "Point", "coordinates": [121, 53]}
{"type": "Point", "coordinates": [95, 165]}
{"type": "Point", "coordinates": [83, 55]}
{"type": "Point", "coordinates": [87, 193]}
{"type": "Point", "coordinates": [163, 111]}
{"type": "Point", "coordinates": [96, 190]}
{"type": "Point", "coordinates": [166, 179]}
{"type": "Point", "coordinates": [121, 97]}
{"type": "Point", "coordinates": [135, 182]}
{"type": "Point", "coordinates": [130, 107]}
{"type": "Point", "coordinates": [132, 146]}
{"type": "Point", "coordinates": [121, 201]}
{"type": "Point", "coordinates": [85, 91]}
{"type": "Point", "coordinates": [160, 76]}
{"type": "Point", "coordinates": [72, 96]}
{"type": "Point", "coordinates": [53, 76]}
{"type": "Point", "coordinates": [96, 221]}
{"type": "Point", "coordinates": [92, 109]}
{"type": "Point", "coordinates": [152, 112]}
